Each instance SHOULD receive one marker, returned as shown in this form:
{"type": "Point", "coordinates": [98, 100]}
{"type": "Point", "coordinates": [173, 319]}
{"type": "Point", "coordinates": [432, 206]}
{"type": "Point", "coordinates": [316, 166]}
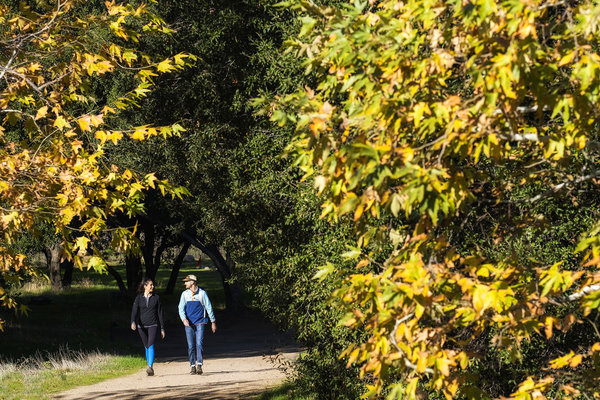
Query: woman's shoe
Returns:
{"type": "Point", "coordinates": [149, 371]}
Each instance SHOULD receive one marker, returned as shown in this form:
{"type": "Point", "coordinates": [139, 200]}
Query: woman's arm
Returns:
{"type": "Point", "coordinates": [134, 312]}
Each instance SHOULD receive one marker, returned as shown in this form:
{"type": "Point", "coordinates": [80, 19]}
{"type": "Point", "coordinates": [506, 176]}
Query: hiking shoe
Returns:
{"type": "Point", "coordinates": [193, 371]}
{"type": "Point", "coordinates": [149, 371]}
{"type": "Point", "coordinates": [199, 370]}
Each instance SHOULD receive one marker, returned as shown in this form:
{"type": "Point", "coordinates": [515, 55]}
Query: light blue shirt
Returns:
{"type": "Point", "coordinates": [200, 294]}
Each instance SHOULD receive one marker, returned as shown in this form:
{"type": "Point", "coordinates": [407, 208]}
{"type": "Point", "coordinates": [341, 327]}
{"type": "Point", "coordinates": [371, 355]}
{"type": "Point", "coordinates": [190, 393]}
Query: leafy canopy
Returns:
{"type": "Point", "coordinates": [55, 128]}
{"type": "Point", "coordinates": [424, 112]}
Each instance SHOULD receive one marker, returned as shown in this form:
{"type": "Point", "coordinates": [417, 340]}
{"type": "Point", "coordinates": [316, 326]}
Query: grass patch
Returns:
{"type": "Point", "coordinates": [38, 376]}
{"type": "Point", "coordinates": [286, 391]}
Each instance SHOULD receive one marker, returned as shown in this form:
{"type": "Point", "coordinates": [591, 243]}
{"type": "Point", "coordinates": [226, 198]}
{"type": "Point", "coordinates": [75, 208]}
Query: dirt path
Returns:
{"type": "Point", "coordinates": [242, 359]}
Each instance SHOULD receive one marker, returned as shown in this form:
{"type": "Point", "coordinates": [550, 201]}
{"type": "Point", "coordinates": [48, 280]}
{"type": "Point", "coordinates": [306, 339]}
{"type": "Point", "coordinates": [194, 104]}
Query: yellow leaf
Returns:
{"type": "Point", "coordinates": [7, 219]}
{"type": "Point", "coordinates": [81, 243]}
{"type": "Point", "coordinates": [353, 357]}
{"type": "Point", "coordinates": [138, 134]}
{"type": "Point", "coordinates": [422, 363]}
{"type": "Point", "coordinates": [482, 298]}
{"type": "Point", "coordinates": [101, 136]}
{"type": "Point", "coordinates": [115, 136]}
{"type": "Point", "coordinates": [108, 110]}
{"type": "Point", "coordinates": [411, 388]}
{"type": "Point", "coordinates": [164, 66]}
{"type": "Point", "coordinates": [41, 113]}
{"type": "Point", "coordinates": [129, 56]}
{"type": "Point", "coordinates": [96, 120]}
{"type": "Point", "coordinates": [561, 362]}
{"type": "Point", "coordinates": [35, 67]}
{"type": "Point", "coordinates": [442, 364]}
{"type": "Point", "coordinates": [358, 212]}
{"type": "Point", "coordinates": [61, 122]}
{"type": "Point", "coordinates": [96, 263]}
{"type": "Point", "coordinates": [84, 124]}
{"type": "Point", "coordinates": [115, 50]}
{"type": "Point", "coordinates": [567, 58]}
{"type": "Point", "coordinates": [419, 310]}
{"type": "Point", "coordinates": [575, 361]}
{"type": "Point", "coordinates": [149, 179]}
{"type": "Point", "coordinates": [104, 66]}
{"type": "Point", "coordinates": [549, 323]}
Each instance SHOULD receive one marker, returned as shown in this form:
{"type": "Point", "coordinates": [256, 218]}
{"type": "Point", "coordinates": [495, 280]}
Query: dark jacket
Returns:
{"type": "Point", "coordinates": [147, 311]}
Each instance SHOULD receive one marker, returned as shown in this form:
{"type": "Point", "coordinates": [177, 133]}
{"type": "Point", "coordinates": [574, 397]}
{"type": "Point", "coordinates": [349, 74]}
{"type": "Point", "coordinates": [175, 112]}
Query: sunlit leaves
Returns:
{"type": "Point", "coordinates": [416, 106]}
{"type": "Point", "coordinates": [52, 165]}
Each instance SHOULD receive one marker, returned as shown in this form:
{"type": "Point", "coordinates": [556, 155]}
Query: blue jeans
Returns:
{"type": "Point", "coordinates": [195, 337]}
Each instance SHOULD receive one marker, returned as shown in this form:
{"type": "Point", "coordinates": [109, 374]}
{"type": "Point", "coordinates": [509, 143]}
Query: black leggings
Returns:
{"type": "Point", "coordinates": [148, 335]}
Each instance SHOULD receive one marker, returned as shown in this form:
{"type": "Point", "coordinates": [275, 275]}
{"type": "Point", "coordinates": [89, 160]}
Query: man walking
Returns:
{"type": "Point", "coordinates": [195, 311]}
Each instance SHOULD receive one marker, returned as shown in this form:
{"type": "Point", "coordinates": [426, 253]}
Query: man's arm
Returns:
{"type": "Point", "coordinates": [208, 307]}
{"type": "Point", "coordinates": [181, 309]}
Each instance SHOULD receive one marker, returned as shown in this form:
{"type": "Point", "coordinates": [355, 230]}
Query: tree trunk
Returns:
{"type": "Point", "coordinates": [176, 267]}
{"type": "Point", "coordinates": [52, 254]}
{"type": "Point", "coordinates": [117, 277]}
{"type": "Point", "coordinates": [236, 292]}
{"type": "Point", "coordinates": [67, 270]}
{"type": "Point", "coordinates": [164, 244]}
{"type": "Point", "coordinates": [233, 294]}
{"type": "Point", "coordinates": [153, 258]}
{"type": "Point", "coordinates": [133, 268]}
{"type": "Point", "coordinates": [148, 248]}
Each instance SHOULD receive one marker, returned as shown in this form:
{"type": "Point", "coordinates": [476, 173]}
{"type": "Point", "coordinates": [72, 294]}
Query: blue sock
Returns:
{"type": "Point", "coordinates": [145, 348]}
{"type": "Point", "coordinates": [151, 355]}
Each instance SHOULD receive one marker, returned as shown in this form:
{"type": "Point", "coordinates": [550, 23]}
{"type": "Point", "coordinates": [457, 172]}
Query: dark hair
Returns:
{"type": "Point", "coordinates": [143, 283]}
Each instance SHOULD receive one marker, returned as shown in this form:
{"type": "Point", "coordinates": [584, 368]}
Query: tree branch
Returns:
{"type": "Point", "coordinates": [522, 109]}
{"type": "Point", "coordinates": [29, 36]}
{"type": "Point", "coordinates": [407, 363]}
{"type": "Point", "coordinates": [583, 292]}
{"type": "Point", "coordinates": [10, 61]}
{"type": "Point", "coordinates": [560, 186]}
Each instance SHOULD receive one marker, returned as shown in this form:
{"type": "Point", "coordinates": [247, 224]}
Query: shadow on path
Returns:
{"type": "Point", "coordinates": [242, 359]}
{"type": "Point", "coordinates": [216, 391]}
{"type": "Point", "coordinates": [246, 334]}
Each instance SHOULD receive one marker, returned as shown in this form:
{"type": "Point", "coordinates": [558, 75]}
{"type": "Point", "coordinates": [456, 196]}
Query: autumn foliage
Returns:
{"type": "Point", "coordinates": [424, 113]}
{"type": "Point", "coordinates": [55, 128]}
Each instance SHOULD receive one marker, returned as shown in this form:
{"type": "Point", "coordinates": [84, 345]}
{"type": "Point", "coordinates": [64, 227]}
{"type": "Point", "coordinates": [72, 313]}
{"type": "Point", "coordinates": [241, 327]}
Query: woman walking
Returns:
{"type": "Point", "coordinates": [147, 317]}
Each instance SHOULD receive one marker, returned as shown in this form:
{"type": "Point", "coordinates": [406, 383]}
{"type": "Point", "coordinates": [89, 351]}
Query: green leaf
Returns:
{"type": "Point", "coordinates": [352, 254]}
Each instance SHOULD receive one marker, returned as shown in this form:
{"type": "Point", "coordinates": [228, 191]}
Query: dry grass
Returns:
{"type": "Point", "coordinates": [42, 284]}
{"type": "Point", "coordinates": [36, 285]}
{"type": "Point", "coordinates": [39, 376]}
{"type": "Point", "coordinates": [64, 360]}
{"type": "Point", "coordinates": [86, 283]}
